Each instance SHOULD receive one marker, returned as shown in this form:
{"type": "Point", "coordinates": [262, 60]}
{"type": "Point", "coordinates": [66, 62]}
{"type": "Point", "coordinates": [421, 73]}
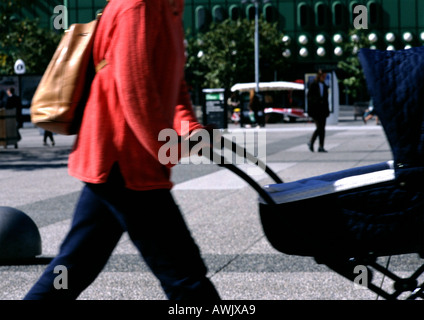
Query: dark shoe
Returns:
{"type": "Point", "coordinates": [321, 149]}
{"type": "Point", "coordinates": [310, 146]}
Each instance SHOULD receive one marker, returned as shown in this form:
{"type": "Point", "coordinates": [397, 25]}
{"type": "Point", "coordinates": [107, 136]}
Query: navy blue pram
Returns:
{"type": "Point", "coordinates": [367, 212]}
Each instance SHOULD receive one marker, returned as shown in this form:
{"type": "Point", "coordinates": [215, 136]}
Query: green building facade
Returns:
{"type": "Point", "coordinates": [314, 30]}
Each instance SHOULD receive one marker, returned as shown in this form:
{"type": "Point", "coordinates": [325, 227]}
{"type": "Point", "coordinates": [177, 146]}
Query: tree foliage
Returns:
{"type": "Point", "coordinates": [224, 55]}
{"type": "Point", "coordinates": [24, 39]}
{"type": "Point", "coordinates": [353, 77]}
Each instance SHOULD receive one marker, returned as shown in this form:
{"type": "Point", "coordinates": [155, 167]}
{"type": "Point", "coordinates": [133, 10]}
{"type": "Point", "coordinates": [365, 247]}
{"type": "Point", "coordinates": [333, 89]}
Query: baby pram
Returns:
{"type": "Point", "coordinates": [353, 217]}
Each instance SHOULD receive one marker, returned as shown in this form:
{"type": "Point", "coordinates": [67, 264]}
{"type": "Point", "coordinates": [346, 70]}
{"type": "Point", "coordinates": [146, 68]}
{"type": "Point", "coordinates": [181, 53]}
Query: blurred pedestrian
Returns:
{"type": "Point", "coordinates": [233, 103]}
{"type": "Point", "coordinates": [256, 110]}
{"type": "Point", "coordinates": [14, 102]}
{"type": "Point", "coordinates": [48, 135]}
{"type": "Point", "coordinates": [3, 99]}
{"type": "Point", "coordinates": [370, 113]}
{"type": "Point", "coordinates": [139, 92]}
{"type": "Point", "coordinates": [318, 109]}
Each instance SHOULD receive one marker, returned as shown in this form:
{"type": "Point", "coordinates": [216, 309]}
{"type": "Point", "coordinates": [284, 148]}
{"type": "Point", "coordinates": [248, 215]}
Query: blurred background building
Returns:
{"type": "Point", "coordinates": [314, 30]}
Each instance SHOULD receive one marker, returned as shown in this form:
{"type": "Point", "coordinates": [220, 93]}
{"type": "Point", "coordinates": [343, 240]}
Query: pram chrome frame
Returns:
{"type": "Point", "coordinates": [343, 265]}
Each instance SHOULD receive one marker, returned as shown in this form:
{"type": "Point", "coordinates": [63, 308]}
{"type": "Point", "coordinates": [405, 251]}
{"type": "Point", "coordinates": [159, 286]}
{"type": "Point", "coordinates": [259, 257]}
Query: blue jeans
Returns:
{"type": "Point", "coordinates": [154, 224]}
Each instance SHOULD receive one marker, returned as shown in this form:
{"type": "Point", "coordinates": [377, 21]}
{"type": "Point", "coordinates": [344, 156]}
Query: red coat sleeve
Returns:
{"type": "Point", "coordinates": [184, 112]}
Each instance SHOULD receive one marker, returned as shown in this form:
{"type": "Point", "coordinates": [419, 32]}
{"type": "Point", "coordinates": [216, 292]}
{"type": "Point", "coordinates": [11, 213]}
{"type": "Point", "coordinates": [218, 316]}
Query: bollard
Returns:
{"type": "Point", "coordinates": [19, 236]}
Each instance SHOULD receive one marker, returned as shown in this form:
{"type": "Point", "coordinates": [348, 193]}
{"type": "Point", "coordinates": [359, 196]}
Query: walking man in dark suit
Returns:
{"type": "Point", "coordinates": [318, 109]}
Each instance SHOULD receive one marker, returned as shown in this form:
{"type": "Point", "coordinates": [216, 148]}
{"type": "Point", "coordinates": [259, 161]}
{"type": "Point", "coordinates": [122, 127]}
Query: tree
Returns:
{"type": "Point", "coordinates": [24, 39]}
{"type": "Point", "coordinates": [352, 75]}
{"type": "Point", "coordinates": [224, 55]}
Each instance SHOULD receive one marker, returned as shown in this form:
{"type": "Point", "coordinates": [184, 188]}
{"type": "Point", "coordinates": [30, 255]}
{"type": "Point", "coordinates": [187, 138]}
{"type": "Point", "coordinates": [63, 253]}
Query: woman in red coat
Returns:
{"type": "Point", "coordinates": [137, 94]}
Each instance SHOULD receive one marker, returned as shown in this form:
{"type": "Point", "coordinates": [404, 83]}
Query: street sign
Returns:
{"type": "Point", "coordinates": [20, 66]}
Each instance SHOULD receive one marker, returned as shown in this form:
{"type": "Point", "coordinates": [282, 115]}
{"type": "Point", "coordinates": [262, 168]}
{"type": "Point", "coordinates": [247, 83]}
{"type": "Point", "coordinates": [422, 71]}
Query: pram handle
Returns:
{"type": "Point", "coordinates": [241, 151]}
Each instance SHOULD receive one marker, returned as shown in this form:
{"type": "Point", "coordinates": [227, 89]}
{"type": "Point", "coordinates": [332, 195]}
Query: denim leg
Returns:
{"type": "Point", "coordinates": [157, 228]}
{"type": "Point", "coordinates": [172, 254]}
{"type": "Point", "coordinates": [93, 235]}
{"type": "Point", "coordinates": [154, 224]}
{"type": "Point", "coordinates": [321, 131]}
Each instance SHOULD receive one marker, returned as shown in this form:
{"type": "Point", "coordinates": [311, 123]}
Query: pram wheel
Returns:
{"type": "Point", "coordinates": [403, 285]}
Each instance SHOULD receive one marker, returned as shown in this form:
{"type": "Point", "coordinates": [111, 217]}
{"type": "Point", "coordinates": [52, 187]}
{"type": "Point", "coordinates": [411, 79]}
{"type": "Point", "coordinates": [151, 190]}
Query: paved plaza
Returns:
{"type": "Point", "coordinates": [220, 209]}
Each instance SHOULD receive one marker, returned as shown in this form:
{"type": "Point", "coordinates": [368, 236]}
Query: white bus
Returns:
{"type": "Point", "coordinates": [282, 100]}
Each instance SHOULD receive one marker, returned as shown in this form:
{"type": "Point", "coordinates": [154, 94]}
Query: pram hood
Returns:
{"type": "Point", "coordinates": [395, 81]}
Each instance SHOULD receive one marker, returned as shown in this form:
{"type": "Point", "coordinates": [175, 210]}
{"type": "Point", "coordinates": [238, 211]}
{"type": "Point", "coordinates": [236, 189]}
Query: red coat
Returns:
{"type": "Point", "coordinates": [140, 92]}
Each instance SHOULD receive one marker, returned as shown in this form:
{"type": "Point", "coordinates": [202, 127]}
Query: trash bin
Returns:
{"type": "Point", "coordinates": [359, 109]}
{"type": "Point", "coordinates": [9, 134]}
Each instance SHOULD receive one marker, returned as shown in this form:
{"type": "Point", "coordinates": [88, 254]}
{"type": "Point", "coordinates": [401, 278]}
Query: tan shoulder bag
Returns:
{"type": "Point", "coordinates": [60, 98]}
